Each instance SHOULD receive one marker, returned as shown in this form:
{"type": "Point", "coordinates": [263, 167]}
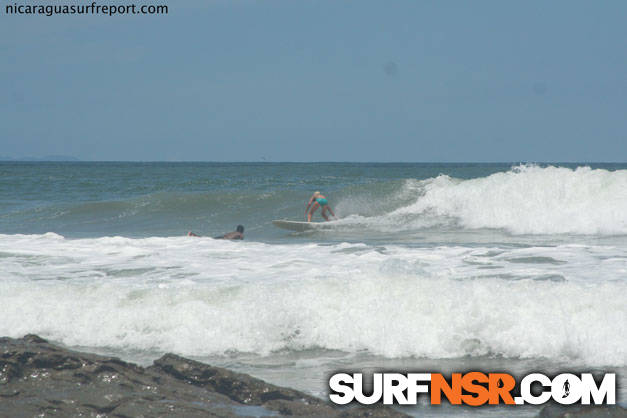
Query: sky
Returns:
{"type": "Point", "coordinates": [239, 80]}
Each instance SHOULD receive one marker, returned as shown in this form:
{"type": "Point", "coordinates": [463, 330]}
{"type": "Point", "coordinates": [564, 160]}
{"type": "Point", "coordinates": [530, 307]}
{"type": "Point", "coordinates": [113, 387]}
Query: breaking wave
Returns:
{"type": "Point", "coordinates": [527, 200]}
{"type": "Point", "coordinates": [208, 297]}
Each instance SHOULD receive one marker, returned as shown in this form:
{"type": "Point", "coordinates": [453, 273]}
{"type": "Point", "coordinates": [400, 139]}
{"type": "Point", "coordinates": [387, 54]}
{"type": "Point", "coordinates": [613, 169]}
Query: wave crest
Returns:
{"type": "Point", "coordinates": [530, 200]}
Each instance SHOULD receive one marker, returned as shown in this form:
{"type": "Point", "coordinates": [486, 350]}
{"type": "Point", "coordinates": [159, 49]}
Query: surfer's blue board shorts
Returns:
{"type": "Point", "coordinates": [322, 202]}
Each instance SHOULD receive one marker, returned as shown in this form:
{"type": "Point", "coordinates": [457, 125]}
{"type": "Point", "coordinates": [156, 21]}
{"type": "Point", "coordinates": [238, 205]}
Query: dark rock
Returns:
{"type": "Point", "coordinates": [37, 377]}
{"type": "Point", "coordinates": [237, 386]}
{"type": "Point", "coordinates": [579, 411]}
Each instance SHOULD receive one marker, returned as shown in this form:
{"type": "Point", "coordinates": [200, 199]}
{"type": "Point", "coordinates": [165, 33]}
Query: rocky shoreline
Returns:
{"type": "Point", "coordinates": [41, 379]}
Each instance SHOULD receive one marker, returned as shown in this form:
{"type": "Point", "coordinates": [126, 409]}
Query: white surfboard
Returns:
{"type": "Point", "coordinates": [297, 226]}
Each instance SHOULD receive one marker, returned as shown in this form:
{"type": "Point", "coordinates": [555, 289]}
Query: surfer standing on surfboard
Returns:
{"type": "Point", "coordinates": [318, 200]}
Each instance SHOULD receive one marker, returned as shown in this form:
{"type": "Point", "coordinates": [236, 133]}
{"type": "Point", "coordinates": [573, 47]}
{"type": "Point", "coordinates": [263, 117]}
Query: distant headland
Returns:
{"type": "Point", "coordinates": [44, 158]}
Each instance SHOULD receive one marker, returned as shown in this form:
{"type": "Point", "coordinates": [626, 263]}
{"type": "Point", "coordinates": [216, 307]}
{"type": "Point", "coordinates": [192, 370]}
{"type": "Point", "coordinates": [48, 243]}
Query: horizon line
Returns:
{"type": "Point", "coordinates": [76, 160]}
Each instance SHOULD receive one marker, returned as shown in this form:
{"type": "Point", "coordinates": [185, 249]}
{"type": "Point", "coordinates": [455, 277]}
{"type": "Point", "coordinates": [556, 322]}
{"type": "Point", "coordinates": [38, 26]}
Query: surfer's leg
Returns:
{"type": "Point", "coordinates": [315, 206]}
{"type": "Point", "coordinates": [331, 211]}
{"type": "Point", "coordinates": [324, 212]}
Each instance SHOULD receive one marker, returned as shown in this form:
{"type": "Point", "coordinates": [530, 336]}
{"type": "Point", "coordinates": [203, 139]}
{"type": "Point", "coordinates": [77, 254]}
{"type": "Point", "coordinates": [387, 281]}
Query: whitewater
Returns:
{"type": "Point", "coordinates": [447, 267]}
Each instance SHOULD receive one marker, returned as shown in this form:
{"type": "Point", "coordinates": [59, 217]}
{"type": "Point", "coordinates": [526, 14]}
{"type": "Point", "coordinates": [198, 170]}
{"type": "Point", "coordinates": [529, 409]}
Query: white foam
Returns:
{"type": "Point", "coordinates": [530, 200]}
{"type": "Point", "coordinates": [204, 297]}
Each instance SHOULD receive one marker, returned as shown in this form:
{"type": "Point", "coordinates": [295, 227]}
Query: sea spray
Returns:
{"type": "Point", "coordinates": [529, 200]}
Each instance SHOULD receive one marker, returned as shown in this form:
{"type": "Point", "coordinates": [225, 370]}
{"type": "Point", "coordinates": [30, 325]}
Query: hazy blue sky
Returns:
{"type": "Point", "coordinates": [320, 81]}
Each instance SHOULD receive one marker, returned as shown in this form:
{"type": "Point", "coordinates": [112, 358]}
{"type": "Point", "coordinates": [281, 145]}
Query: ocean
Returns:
{"type": "Point", "coordinates": [431, 267]}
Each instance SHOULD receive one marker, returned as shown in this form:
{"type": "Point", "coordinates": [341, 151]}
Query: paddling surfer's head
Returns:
{"type": "Point", "coordinates": [240, 229]}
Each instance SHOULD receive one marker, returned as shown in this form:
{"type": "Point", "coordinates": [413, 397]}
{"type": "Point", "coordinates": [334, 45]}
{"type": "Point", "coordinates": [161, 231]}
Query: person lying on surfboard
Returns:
{"type": "Point", "coordinates": [318, 200]}
{"type": "Point", "coordinates": [237, 234]}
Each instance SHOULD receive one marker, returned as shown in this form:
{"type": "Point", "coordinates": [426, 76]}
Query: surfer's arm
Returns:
{"type": "Point", "coordinates": [309, 204]}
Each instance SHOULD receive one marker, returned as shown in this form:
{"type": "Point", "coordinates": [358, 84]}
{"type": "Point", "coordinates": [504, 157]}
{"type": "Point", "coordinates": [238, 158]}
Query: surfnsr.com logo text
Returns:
{"type": "Point", "coordinates": [473, 388]}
